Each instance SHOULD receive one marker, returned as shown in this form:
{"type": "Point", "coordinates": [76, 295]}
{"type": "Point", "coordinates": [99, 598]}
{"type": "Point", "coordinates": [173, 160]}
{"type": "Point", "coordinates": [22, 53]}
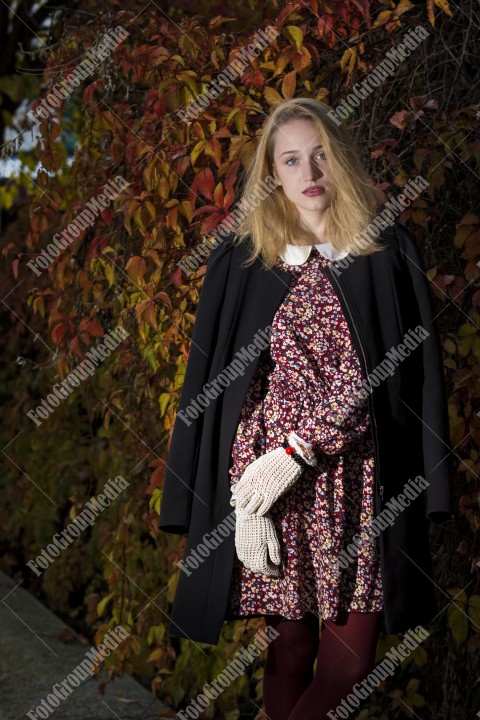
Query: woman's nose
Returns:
{"type": "Point", "coordinates": [314, 171]}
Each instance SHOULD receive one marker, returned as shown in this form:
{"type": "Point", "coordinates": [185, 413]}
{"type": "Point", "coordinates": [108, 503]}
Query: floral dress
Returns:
{"type": "Point", "coordinates": [309, 368]}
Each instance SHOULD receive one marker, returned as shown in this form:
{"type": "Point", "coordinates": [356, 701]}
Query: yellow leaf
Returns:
{"type": "Point", "coordinates": [101, 606]}
{"type": "Point", "coordinates": [163, 401]}
{"type": "Point", "coordinates": [110, 273]}
{"type": "Point", "coordinates": [197, 150]}
{"type": "Point", "coordinates": [281, 62]}
{"type": "Point", "coordinates": [240, 121]}
{"type": "Point", "coordinates": [322, 94]}
{"type": "Point", "coordinates": [382, 18]}
{"type": "Point", "coordinates": [187, 209]}
{"type": "Point", "coordinates": [348, 60]}
{"type": "Point", "coordinates": [294, 36]}
{"type": "Point", "coordinates": [163, 187]}
{"type": "Point", "coordinates": [137, 215]}
{"type": "Point", "coordinates": [157, 654]}
{"type": "Point", "coordinates": [272, 96]}
{"type": "Point", "coordinates": [443, 5]}
{"type": "Point", "coordinates": [39, 305]}
{"type": "Point", "coordinates": [151, 209]}
{"type": "Point", "coordinates": [156, 500]}
{"type": "Point", "coordinates": [403, 6]}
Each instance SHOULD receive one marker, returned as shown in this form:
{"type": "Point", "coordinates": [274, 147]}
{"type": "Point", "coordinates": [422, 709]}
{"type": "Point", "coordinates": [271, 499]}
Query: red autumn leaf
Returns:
{"type": "Point", "coordinates": [75, 347]}
{"type": "Point", "coordinates": [403, 118]}
{"type": "Point", "coordinates": [164, 298]}
{"type": "Point", "coordinates": [92, 327]}
{"type": "Point", "coordinates": [54, 130]}
{"type": "Point", "coordinates": [107, 215]}
{"type": "Point", "coordinates": [205, 182]}
{"type": "Point", "coordinates": [211, 222]}
{"type": "Point", "coordinates": [176, 278]}
{"type": "Point", "coordinates": [254, 78]}
{"type": "Point", "coordinates": [159, 107]}
{"type": "Point", "coordinates": [156, 479]}
{"type": "Point", "coordinates": [230, 179]}
{"type": "Point", "coordinates": [149, 315]}
{"type": "Point", "coordinates": [205, 209]}
{"type": "Point", "coordinates": [97, 245]}
{"type": "Point", "coordinates": [58, 333]}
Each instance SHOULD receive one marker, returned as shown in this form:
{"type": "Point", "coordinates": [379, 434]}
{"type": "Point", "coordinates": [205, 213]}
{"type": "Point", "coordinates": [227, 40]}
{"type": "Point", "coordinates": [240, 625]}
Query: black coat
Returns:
{"type": "Point", "coordinates": [382, 295]}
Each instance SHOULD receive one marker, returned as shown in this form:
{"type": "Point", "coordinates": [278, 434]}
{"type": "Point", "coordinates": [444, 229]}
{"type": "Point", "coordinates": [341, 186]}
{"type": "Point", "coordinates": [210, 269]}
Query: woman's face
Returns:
{"type": "Point", "coordinates": [300, 163]}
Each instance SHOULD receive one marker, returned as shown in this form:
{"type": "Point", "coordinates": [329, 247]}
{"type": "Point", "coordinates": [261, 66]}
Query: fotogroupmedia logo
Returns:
{"type": "Point", "coordinates": [93, 658]}
{"type": "Point", "coordinates": [60, 391]}
{"type": "Point", "coordinates": [86, 218]}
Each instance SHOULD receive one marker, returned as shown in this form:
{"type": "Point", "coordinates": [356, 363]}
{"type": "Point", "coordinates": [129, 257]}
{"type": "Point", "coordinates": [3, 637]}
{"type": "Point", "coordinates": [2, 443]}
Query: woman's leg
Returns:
{"type": "Point", "coordinates": [289, 663]}
{"type": "Point", "coordinates": [346, 655]}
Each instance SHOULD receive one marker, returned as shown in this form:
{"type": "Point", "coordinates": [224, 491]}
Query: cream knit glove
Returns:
{"type": "Point", "coordinates": [257, 543]}
{"type": "Point", "coordinates": [264, 480]}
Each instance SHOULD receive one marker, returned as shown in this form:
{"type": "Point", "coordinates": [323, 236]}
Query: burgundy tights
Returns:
{"type": "Point", "coordinates": [345, 653]}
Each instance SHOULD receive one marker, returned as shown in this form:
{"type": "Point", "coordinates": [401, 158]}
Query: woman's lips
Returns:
{"type": "Point", "coordinates": [311, 192]}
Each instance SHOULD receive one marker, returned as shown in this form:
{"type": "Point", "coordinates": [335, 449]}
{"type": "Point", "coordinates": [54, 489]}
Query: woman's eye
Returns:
{"type": "Point", "coordinates": [293, 158]}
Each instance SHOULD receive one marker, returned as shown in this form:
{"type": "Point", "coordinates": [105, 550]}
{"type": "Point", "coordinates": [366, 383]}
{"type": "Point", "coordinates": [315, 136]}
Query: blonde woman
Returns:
{"type": "Point", "coordinates": [313, 404]}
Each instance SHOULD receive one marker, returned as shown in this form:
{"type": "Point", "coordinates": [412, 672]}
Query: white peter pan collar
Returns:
{"type": "Point", "coordinates": [298, 254]}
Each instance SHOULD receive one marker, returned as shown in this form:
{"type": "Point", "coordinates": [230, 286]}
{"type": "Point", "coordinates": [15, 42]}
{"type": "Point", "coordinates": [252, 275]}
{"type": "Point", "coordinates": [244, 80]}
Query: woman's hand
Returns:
{"type": "Point", "coordinates": [257, 543]}
{"type": "Point", "coordinates": [263, 481]}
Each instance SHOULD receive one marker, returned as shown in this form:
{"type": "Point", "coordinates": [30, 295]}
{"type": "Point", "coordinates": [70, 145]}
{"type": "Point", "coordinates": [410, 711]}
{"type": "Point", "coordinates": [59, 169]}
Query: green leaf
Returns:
{"type": "Point", "coordinates": [110, 273]}
{"type": "Point", "coordinates": [102, 605]}
{"type": "Point", "coordinates": [163, 401]}
{"type": "Point", "coordinates": [156, 500]}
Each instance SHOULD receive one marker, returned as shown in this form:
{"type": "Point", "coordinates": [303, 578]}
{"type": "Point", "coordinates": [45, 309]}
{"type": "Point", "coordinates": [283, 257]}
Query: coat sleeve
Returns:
{"type": "Point", "coordinates": [181, 463]}
{"type": "Point", "coordinates": [438, 466]}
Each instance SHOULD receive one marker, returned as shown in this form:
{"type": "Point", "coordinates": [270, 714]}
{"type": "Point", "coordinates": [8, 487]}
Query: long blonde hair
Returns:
{"type": "Point", "coordinates": [275, 221]}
